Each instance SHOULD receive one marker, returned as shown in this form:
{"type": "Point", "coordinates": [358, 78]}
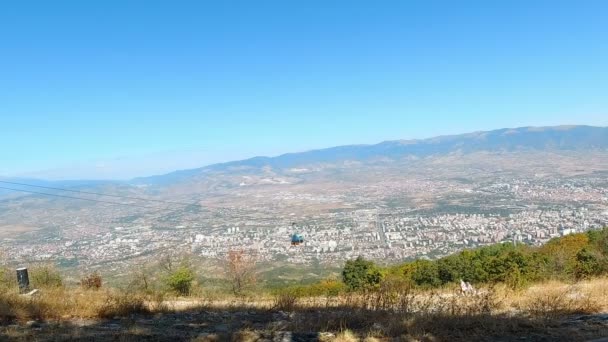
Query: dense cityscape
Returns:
{"type": "Point", "coordinates": [517, 210]}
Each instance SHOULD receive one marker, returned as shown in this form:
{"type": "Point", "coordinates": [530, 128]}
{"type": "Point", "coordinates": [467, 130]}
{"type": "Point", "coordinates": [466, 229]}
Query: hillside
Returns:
{"type": "Point", "coordinates": [525, 139]}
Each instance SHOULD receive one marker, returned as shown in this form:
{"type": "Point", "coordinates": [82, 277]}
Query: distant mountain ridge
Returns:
{"type": "Point", "coordinates": [574, 138]}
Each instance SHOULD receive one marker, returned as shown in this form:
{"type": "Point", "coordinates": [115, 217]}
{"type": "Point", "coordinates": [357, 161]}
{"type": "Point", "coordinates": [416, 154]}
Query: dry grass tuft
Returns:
{"type": "Point", "coordinates": [245, 335]}
{"type": "Point", "coordinates": [122, 305]}
{"type": "Point", "coordinates": [371, 339]}
{"type": "Point", "coordinates": [346, 336]}
{"type": "Point", "coordinates": [208, 338]}
{"type": "Point", "coordinates": [285, 302]}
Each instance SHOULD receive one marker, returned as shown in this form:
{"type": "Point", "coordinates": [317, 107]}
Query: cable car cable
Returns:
{"type": "Point", "coordinates": [97, 193]}
{"type": "Point", "coordinates": [80, 198]}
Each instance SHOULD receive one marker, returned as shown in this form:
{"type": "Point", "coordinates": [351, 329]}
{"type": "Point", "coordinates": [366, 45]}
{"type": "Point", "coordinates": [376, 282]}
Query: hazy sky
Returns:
{"type": "Point", "coordinates": [115, 89]}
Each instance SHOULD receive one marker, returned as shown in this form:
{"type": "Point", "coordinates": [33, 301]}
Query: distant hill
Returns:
{"type": "Point", "coordinates": [564, 138]}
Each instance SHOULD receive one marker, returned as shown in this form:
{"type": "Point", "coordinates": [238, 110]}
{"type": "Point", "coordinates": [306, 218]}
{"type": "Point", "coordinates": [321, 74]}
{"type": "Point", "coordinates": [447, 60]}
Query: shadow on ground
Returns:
{"type": "Point", "coordinates": [310, 324]}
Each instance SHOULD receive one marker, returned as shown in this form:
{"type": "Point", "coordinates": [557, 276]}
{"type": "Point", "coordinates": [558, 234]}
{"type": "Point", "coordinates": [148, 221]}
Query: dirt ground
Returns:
{"type": "Point", "coordinates": [267, 325]}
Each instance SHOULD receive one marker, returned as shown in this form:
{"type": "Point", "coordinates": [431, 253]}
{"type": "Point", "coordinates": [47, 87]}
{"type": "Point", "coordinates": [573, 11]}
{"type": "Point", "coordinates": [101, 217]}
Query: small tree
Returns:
{"type": "Point", "coordinates": [241, 271]}
{"type": "Point", "coordinates": [91, 281]}
{"type": "Point", "coordinates": [141, 281]}
{"type": "Point", "coordinates": [180, 280]}
{"type": "Point", "coordinates": [360, 274]}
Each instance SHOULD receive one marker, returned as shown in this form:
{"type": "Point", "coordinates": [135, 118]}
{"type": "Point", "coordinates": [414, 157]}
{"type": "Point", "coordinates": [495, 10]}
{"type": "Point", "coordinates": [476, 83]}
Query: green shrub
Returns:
{"type": "Point", "coordinates": [361, 274]}
{"type": "Point", "coordinates": [180, 280]}
{"type": "Point", "coordinates": [588, 264]}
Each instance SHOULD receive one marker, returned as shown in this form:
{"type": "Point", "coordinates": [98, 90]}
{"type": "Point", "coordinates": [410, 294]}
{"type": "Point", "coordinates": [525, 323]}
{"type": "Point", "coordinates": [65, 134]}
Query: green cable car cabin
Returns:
{"type": "Point", "coordinates": [297, 239]}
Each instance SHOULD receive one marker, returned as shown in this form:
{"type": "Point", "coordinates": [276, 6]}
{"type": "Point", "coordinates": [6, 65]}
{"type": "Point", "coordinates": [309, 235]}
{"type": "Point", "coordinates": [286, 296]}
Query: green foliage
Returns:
{"type": "Point", "coordinates": [7, 279]}
{"type": "Point", "coordinates": [361, 274]}
{"type": "Point", "coordinates": [571, 257]}
{"type": "Point", "coordinates": [45, 276]}
{"type": "Point", "coordinates": [599, 240]}
{"type": "Point", "coordinates": [425, 273]}
{"type": "Point", "coordinates": [589, 263]}
{"type": "Point", "coordinates": [180, 280]}
{"type": "Point", "coordinates": [325, 288]}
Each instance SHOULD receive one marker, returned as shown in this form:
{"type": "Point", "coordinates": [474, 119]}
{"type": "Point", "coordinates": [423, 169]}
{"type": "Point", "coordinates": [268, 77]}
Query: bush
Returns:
{"type": "Point", "coordinates": [46, 276]}
{"type": "Point", "coordinates": [426, 274]}
{"type": "Point", "coordinates": [588, 264]}
{"type": "Point", "coordinates": [180, 280]}
{"type": "Point", "coordinates": [91, 281]}
{"type": "Point", "coordinates": [361, 274]}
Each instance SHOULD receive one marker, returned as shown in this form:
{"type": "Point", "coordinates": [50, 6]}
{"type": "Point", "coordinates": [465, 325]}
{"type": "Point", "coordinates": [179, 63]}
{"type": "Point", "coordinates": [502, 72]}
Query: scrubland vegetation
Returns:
{"type": "Point", "coordinates": [538, 292]}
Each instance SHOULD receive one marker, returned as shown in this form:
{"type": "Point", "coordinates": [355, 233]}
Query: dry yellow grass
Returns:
{"type": "Point", "coordinates": [371, 339]}
{"type": "Point", "coordinates": [554, 298]}
{"type": "Point", "coordinates": [61, 303]}
{"type": "Point", "coordinates": [548, 298]}
{"type": "Point", "coordinates": [346, 336]}
{"type": "Point", "coordinates": [414, 315]}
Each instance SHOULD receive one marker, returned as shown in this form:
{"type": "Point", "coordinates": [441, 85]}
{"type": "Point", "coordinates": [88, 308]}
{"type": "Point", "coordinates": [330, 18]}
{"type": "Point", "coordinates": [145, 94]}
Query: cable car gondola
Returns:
{"type": "Point", "coordinates": [296, 239]}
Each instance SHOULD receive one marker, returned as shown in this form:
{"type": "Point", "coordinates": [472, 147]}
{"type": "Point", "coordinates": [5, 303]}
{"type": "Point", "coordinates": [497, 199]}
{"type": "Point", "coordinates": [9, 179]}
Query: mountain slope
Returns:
{"type": "Point", "coordinates": [566, 138]}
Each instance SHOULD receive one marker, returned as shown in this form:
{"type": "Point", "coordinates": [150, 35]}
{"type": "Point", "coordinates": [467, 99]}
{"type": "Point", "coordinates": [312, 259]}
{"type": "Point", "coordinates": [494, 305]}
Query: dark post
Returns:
{"type": "Point", "coordinates": [23, 279]}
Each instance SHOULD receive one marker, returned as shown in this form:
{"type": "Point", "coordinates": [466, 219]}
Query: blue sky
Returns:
{"type": "Point", "coordinates": [116, 89]}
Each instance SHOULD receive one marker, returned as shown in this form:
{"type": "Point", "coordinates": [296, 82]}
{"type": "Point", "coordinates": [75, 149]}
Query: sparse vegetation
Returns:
{"type": "Point", "coordinates": [92, 281]}
{"type": "Point", "coordinates": [241, 271]}
{"type": "Point", "coordinates": [122, 305]}
{"type": "Point", "coordinates": [286, 301]}
{"type": "Point", "coordinates": [45, 276]}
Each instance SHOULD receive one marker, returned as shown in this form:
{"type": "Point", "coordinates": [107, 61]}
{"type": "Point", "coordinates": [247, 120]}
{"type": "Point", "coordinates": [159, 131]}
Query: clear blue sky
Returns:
{"type": "Point", "coordinates": [115, 89]}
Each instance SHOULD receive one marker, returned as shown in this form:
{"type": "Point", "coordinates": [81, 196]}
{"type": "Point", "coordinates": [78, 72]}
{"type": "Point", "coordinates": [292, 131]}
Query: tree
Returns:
{"type": "Point", "coordinates": [241, 270]}
{"type": "Point", "coordinates": [426, 273]}
{"type": "Point", "coordinates": [361, 274]}
{"type": "Point", "coordinates": [599, 239]}
{"type": "Point", "coordinates": [180, 280]}
{"type": "Point", "coordinates": [588, 263]}
{"type": "Point", "coordinates": [562, 253]}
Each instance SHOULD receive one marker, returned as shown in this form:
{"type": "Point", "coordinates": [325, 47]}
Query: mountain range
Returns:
{"type": "Point", "coordinates": [397, 153]}
{"type": "Point", "coordinates": [524, 139]}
